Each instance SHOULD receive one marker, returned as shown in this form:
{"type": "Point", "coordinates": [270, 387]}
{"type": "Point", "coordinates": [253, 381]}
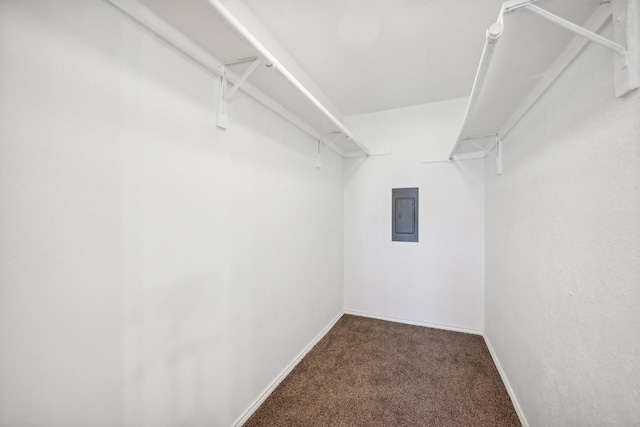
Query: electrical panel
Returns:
{"type": "Point", "coordinates": [404, 227]}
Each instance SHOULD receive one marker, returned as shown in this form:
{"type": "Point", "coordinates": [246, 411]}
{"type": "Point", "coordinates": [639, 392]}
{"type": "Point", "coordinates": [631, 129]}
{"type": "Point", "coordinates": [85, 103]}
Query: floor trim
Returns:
{"type": "Point", "coordinates": [256, 404]}
{"type": "Point", "coordinates": [505, 381]}
{"type": "Point", "coordinates": [414, 322]}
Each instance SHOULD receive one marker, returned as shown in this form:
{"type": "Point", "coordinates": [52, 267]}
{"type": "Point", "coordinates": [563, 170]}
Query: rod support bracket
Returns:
{"type": "Point", "coordinates": [625, 17]}
{"type": "Point", "coordinates": [626, 20]}
{"type": "Point", "coordinates": [499, 157]}
{"type": "Point", "coordinates": [224, 95]}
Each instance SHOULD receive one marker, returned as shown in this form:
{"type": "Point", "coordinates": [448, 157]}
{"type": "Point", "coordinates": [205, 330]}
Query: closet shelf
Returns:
{"type": "Point", "coordinates": [527, 49]}
{"type": "Point", "coordinates": [209, 34]}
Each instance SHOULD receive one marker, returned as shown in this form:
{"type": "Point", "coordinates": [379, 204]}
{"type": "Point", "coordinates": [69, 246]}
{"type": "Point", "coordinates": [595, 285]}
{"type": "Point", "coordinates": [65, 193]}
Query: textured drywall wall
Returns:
{"type": "Point", "coordinates": [563, 252]}
{"type": "Point", "coordinates": [438, 280]}
{"type": "Point", "coordinates": [151, 263]}
{"type": "Point", "coordinates": [60, 220]}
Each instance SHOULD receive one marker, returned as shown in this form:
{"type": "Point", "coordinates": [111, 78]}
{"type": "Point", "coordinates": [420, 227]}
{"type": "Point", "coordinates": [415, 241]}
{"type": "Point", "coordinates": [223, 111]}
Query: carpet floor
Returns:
{"type": "Point", "coordinates": [368, 372]}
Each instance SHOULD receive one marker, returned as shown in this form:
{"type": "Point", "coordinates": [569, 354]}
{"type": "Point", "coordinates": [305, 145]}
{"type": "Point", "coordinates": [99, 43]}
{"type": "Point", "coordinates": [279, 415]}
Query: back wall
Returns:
{"type": "Point", "coordinates": [437, 281]}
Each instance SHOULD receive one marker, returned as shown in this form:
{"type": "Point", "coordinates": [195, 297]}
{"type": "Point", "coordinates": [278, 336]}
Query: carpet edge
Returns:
{"type": "Point", "coordinates": [263, 396]}
{"type": "Point", "coordinates": [505, 381]}
{"type": "Point", "coordinates": [415, 322]}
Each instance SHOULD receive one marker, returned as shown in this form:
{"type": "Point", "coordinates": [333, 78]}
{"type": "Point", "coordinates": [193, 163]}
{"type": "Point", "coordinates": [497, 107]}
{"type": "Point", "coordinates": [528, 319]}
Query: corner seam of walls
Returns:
{"type": "Point", "coordinates": [505, 380]}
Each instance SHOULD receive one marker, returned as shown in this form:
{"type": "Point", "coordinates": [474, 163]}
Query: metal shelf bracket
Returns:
{"type": "Point", "coordinates": [626, 23]}
{"type": "Point", "coordinates": [625, 19]}
{"type": "Point", "coordinates": [224, 95]}
{"type": "Point", "coordinates": [499, 157]}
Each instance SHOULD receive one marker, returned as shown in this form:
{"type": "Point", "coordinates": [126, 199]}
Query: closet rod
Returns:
{"type": "Point", "coordinates": [271, 62]}
{"type": "Point", "coordinates": [168, 34]}
{"type": "Point", "coordinates": [493, 35]}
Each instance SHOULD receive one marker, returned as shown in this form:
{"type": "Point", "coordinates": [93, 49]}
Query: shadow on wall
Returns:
{"type": "Point", "coordinates": [175, 364]}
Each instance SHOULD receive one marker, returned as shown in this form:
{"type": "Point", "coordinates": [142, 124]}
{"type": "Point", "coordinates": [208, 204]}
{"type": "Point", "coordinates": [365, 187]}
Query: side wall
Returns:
{"type": "Point", "coordinates": [563, 258]}
{"type": "Point", "coordinates": [439, 280]}
{"type": "Point", "coordinates": [151, 263]}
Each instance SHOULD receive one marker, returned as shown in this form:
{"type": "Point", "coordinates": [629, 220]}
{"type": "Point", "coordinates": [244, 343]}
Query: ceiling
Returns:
{"type": "Point", "coordinates": [364, 55]}
{"type": "Point", "coordinates": [373, 55]}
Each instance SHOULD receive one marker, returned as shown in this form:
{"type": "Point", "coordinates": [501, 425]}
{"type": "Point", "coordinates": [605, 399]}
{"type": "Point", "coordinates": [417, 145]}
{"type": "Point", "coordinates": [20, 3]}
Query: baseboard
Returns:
{"type": "Point", "coordinates": [256, 404]}
{"type": "Point", "coordinates": [507, 385]}
{"type": "Point", "coordinates": [414, 322]}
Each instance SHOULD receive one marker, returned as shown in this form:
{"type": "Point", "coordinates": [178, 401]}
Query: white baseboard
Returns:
{"type": "Point", "coordinates": [256, 404]}
{"type": "Point", "coordinates": [414, 322]}
{"type": "Point", "coordinates": [516, 404]}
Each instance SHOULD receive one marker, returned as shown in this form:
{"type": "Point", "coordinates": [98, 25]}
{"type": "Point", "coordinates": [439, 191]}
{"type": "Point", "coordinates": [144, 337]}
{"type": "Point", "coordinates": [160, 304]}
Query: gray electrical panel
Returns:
{"type": "Point", "coordinates": [404, 227]}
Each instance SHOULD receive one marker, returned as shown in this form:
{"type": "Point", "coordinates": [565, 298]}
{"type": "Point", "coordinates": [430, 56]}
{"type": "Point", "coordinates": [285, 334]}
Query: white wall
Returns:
{"type": "Point", "coordinates": [439, 280]}
{"type": "Point", "coordinates": [151, 263]}
{"type": "Point", "coordinates": [563, 264]}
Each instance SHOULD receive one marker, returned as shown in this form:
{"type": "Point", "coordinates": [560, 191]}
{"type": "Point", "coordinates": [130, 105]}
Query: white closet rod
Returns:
{"type": "Point", "coordinates": [493, 34]}
{"type": "Point", "coordinates": [168, 34]}
{"type": "Point", "coordinates": [273, 63]}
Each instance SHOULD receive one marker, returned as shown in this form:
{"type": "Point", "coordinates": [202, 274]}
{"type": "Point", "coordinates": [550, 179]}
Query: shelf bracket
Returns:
{"type": "Point", "coordinates": [496, 150]}
{"type": "Point", "coordinates": [625, 18]}
{"type": "Point", "coordinates": [224, 95]}
{"type": "Point", "coordinates": [323, 146]}
{"type": "Point", "coordinates": [499, 157]}
{"type": "Point", "coordinates": [481, 148]}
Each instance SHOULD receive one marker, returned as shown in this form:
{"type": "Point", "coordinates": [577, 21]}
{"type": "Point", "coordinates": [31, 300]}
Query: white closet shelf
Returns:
{"type": "Point", "coordinates": [209, 34]}
{"type": "Point", "coordinates": [527, 49]}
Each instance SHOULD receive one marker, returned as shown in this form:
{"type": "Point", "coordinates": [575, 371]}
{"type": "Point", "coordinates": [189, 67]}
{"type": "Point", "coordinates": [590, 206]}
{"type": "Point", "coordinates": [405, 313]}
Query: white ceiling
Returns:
{"type": "Point", "coordinates": [372, 55]}
{"type": "Point", "coordinates": [365, 55]}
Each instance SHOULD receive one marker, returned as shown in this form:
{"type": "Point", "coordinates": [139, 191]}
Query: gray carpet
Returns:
{"type": "Point", "coordinates": [368, 372]}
